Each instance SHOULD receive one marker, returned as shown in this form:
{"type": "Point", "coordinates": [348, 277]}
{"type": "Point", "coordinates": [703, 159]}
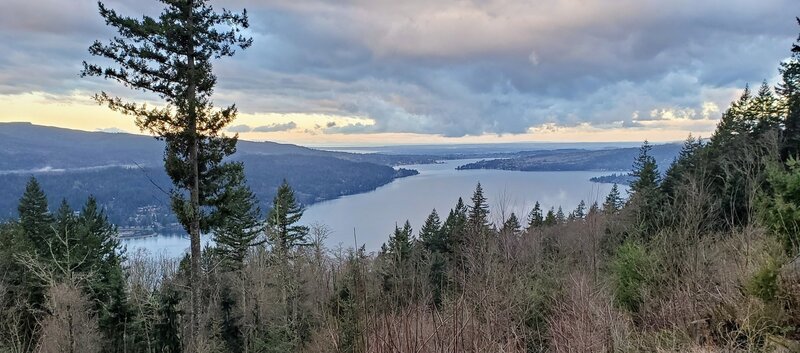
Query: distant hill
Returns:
{"type": "Point", "coordinates": [125, 171]}
{"type": "Point", "coordinates": [577, 159]}
{"type": "Point", "coordinates": [24, 146]}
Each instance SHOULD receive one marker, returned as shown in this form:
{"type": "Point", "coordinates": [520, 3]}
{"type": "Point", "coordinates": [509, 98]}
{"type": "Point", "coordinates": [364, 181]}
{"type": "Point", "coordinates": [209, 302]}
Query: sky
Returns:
{"type": "Point", "coordinates": [381, 72]}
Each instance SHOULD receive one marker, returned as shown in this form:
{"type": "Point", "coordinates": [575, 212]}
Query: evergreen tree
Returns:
{"type": "Point", "coordinates": [767, 110]}
{"type": "Point", "coordinates": [645, 171]}
{"type": "Point", "coordinates": [645, 192]}
{"type": "Point", "coordinates": [535, 218]}
{"type": "Point", "coordinates": [614, 201]}
{"type": "Point", "coordinates": [686, 161]}
{"type": "Point", "coordinates": [400, 244]}
{"type": "Point", "coordinates": [29, 236]}
{"type": "Point", "coordinates": [431, 234]}
{"type": "Point", "coordinates": [64, 239]}
{"type": "Point", "coordinates": [34, 217]}
{"type": "Point", "coordinates": [478, 218]}
{"type": "Point", "coordinates": [560, 218]}
{"type": "Point", "coordinates": [283, 217]}
{"type": "Point", "coordinates": [397, 267]}
{"type": "Point", "coordinates": [580, 211]}
{"type": "Point", "coordinates": [240, 226]}
{"type": "Point", "coordinates": [789, 89]}
{"type": "Point", "coordinates": [454, 230]}
{"type": "Point", "coordinates": [511, 225]}
{"type": "Point", "coordinates": [550, 219]}
{"type": "Point", "coordinates": [103, 256]}
{"type": "Point", "coordinates": [433, 238]}
{"type": "Point", "coordinates": [167, 326]}
{"type": "Point", "coordinates": [171, 56]}
{"type": "Point", "coordinates": [781, 210]}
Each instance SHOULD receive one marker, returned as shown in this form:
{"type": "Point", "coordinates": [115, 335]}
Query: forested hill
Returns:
{"type": "Point", "coordinates": [71, 164]}
{"type": "Point", "coordinates": [577, 159]}
{"type": "Point", "coordinates": [24, 146]}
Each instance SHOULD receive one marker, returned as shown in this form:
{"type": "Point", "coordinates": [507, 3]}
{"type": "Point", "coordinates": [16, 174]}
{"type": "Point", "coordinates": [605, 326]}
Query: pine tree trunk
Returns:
{"type": "Point", "coordinates": [194, 227]}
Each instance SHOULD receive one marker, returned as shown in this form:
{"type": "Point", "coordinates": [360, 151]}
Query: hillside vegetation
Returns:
{"type": "Point", "coordinates": [124, 172]}
{"type": "Point", "coordinates": [575, 159]}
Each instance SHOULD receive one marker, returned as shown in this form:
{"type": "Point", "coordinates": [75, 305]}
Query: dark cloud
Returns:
{"type": "Point", "coordinates": [448, 67]}
{"type": "Point", "coordinates": [275, 127]}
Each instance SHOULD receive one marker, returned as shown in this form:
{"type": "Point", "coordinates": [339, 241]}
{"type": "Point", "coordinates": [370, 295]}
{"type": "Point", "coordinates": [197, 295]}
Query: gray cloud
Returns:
{"type": "Point", "coordinates": [275, 127]}
{"type": "Point", "coordinates": [240, 128]}
{"type": "Point", "coordinates": [447, 67]}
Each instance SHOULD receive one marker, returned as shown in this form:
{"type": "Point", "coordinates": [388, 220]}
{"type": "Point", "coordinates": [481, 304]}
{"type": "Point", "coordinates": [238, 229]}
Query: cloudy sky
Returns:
{"type": "Point", "coordinates": [375, 72]}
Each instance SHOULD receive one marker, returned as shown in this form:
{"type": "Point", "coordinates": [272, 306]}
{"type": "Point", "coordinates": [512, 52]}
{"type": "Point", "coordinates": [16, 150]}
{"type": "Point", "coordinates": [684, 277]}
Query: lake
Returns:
{"type": "Point", "coordinates": [373, 215]}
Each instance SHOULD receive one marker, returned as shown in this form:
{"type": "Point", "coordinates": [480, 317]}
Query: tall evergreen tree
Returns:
{"type": "Point", "coordinates": [535, 218]}
{"type": "Point", "coordinates": [511, 225]}
{"type": "Point", "coordinates": [283, 218]}
{"type": "Point", "coordinates": [434, 238]}
{"type": "Point", "coordinates": [240, 226]}
{"type": "Point", "coordinates": [645, 192]}
{"type": "Point", "coordinates": [171, 56]}
{"type": "Point", "coordinates": [686, 161]}
{"type": "Point", "coordinates": [431, 233]}
{"type": "Point", "coordinates": [30, 236]}
{"type": "Point", "coordinates": [781, 210]}
{"type": "Point", "coordinates": [560, 217]}
{"type": "Point", "coordinates": [104, 256]}
{"type": "Point", "coordinates": [550, 219]}
{"type": "Point", "coordinates": [645, 171]}
{"type": "Point", "coordinates": [34, 217]}
{"type": "Point", "coordinates": [478, 217]}
{"type": "Point", "coordinates": [65, 233]}
{"type": "Point", "coordinates": [614, 201]}
{"type": "Point", "coordinates": [454, 229]}
{"type": "Point", "coordinates": [580, 211]}
{"type": "Point", "coordinates": [768, 111]}
{"type": "Point", "coordinates": [400, 243]}
{"type": "Point", "coordinates": [789, 89]}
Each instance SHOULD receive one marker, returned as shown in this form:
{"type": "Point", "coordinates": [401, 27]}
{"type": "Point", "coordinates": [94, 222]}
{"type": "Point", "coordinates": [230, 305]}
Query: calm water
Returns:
{"type": "Point", "coordinates": [373, 215]}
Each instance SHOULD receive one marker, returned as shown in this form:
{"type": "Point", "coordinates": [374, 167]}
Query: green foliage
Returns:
{"type": "Point", "coordinates": [171, 56]}
{"type": "Point", "coordinates": [168, 324]}
{"type": "Point", "coordinates": [511, 225]}
{"type": "Point", "coordinates": [240, 225]}
{"type": "Point", "coordinates": [400, 244]}
{"type": "Point", "coordinates": [781, 210]}
{"type": "Point", "coordinates": [432, 235]}
{"type": "Point", "coordinates": [347, 304]}
{"type": "Point", "coordinates": [645, 170]}
{"type": "Point", "coordinates": [76, 247]}
{"type": "Point", "coordinates": [151, 55]}
{"type": "Point", "coordinates": [560, 217]}
{"type": "Point", "coordinates": [283, 218]}
{"type": "Point", "coordinates": [478, 218]}
{"type": "Point", "coordinates": [535, 218]}
{"type": "Point", "coordinates": [614, 201]}
{"type": "Point", "coordinates": [34, 217]}
{"type": "Point", "coordinates": [789, 90]}
{"type": "Point", "coordinates": [645, 195]}
{"type": "Point", "coordinates": [686, 162]}
{"type": "Point", "coordinates": [764, 283]}
{"type": "Point", "coordinates": [580, 211]}
{"type": "Point", "coordinates": [630, 270]}
{"type": "Point", "coordinates": [551, 219]}
{"type": "Point", "coordinates": [454, 230]}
